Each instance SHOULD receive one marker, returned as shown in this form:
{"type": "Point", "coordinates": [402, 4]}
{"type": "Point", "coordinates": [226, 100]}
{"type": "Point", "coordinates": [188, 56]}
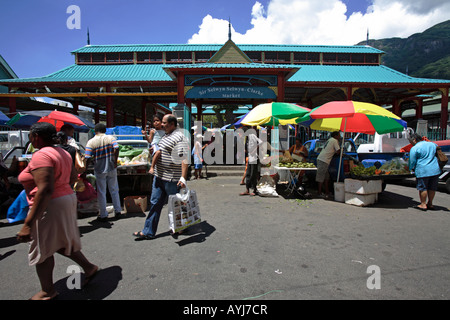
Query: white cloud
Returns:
{"type": "Point", "coordinates": [325, 22]}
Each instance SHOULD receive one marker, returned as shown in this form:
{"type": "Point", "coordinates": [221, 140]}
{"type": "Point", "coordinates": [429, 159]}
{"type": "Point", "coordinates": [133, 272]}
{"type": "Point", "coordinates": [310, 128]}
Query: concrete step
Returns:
{"type": "Point", "coordinates": [222, 170]}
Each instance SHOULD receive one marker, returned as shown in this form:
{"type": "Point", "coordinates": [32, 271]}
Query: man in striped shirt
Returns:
{"type": "Point", "coordinates": [169, 167]}
{"type": "Point", "coordinates": [103, 150]}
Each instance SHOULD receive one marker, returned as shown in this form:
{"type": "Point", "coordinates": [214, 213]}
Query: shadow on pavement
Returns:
{"type": "Point", "coordinates": [196, 234]}
{"type": "Point", "coordinates": [104, 283]}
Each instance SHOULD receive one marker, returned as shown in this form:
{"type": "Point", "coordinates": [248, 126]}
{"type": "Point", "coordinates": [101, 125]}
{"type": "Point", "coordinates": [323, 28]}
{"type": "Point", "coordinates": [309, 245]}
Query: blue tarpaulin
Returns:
{"type": "Point", "coordinates": [126, 132]}
{"type": "Point", "coordinates": [19, 209]}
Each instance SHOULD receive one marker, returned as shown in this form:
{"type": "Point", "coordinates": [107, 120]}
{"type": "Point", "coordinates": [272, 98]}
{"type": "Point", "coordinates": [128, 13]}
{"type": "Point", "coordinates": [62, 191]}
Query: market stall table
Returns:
{"type": "Point", "coordinates": [293, 175]}
{"type": "Point", "coordinates": [134, 179]}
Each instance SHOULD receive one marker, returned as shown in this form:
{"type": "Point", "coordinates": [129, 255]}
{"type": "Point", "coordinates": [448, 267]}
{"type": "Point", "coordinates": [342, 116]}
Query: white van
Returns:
{"type": "Point", "coordinates": [12, 143]}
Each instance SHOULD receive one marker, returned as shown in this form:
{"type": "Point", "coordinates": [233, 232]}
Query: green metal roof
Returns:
{"type": "Point", "coordinates": [6, 72]}
{"type": "Point", "coordinates": [368, 74]}
{"type": "Point", "coordinates": [157, 72]}
{"type": "Point", "coordinates": [216, 47]}
{"type": "Point", "coordinates": [231, 66]}
{"type": "Point", "coordinates": [93, 73]}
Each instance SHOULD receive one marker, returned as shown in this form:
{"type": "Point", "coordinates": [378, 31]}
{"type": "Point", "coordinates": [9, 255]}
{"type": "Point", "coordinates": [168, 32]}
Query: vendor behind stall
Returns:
{"type": "Point", "coordinates": [298, 151]}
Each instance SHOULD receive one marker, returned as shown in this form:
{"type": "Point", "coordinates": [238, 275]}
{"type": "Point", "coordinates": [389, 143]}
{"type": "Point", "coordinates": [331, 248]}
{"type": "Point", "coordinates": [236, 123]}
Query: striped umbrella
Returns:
{"type": "Point", "coordinates": [274, 113]}
{"type": "Point", "coordinates": [352, 116]}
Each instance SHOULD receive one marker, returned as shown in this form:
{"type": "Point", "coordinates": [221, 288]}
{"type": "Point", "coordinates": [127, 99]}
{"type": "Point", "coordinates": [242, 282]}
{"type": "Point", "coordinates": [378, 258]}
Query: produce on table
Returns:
{"type": "Point", "coordinates": [141, 158]}
{"type": "Point", "coordinates": [291, 163]}
{"type": "Point", "coordinates": [360, 170]}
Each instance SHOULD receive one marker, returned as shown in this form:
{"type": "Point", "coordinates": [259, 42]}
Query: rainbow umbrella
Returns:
{"type": "Point", "coordinates": [352, 116]}
{"type": "Point", "coordinates": [274, 113]}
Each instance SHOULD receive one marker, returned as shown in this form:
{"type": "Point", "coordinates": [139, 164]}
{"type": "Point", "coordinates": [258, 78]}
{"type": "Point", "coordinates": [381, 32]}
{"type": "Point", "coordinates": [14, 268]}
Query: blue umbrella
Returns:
{"type": "Point", "coordinates": [3, 118]}
{"type": "Point", "coordinates": [238, 124]}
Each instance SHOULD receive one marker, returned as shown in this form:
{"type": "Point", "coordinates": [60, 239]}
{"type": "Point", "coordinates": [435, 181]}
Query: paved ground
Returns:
{"type": "Point", "coordinates": [258, 248]}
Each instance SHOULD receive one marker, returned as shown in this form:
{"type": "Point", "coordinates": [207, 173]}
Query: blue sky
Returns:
{"type": "Point", "coordinates": [35, 39]}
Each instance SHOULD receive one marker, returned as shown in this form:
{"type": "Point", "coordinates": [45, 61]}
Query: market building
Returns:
{"type": "Point", "coordinates": [135, 81]}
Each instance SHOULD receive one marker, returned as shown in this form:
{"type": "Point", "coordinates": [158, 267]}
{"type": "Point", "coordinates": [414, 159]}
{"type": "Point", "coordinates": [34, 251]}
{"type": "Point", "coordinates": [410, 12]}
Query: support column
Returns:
{"type": "Point", "coordinates": [12, 106]}
{"type": "Point", "coordinates": [109, 112]}
{"type": "Point", "coordinates": [143, 114]}
{"type": "Point", "coordinates": [75, 107]}
{"type": "Point", "coordinates": [180, 88]}
{"type": "Point", "coordinates": [396, 108]}
{"type": "Point", "coordinates": [444, 112]}
{"type": "Point", "coordinates": [349, 93]}
{"type": "Point", "coordinates": [97, 115]}
{"type": "Point", "coordinates": [280, 96]}
{"type": "Point", "coordinates": [419, 108]}
{"type": "Point", "coordinates": [199, 110]}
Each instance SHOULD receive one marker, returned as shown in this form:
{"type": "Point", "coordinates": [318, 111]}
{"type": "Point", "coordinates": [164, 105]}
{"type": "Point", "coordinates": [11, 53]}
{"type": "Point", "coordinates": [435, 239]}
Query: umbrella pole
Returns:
{"type": "Point", "coordinates": [342, 149]}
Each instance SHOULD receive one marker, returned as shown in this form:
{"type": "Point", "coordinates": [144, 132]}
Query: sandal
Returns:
{"type": "Point", "coordinates": [144, 237]}
{"type": "Point", "coordinates": [244, 193]}
{"type": "Point", "coordinates": [419, 208]}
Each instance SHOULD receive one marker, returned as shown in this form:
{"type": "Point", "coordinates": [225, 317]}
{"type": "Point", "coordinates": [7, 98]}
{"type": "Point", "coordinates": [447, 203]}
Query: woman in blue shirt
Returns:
{"type": "Point", "coordinates": [423, 161]}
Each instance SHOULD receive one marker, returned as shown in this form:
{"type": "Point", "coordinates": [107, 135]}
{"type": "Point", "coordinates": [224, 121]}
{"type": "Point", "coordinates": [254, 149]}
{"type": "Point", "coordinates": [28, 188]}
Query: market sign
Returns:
{"type": "Point", "coordinates": [234, 92]}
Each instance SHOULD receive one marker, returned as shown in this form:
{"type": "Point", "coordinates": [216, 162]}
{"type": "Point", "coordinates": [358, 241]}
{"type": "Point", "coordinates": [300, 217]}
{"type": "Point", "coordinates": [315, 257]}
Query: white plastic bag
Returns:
{"type": "Point", "coordinates": [267, 187]}
{"type": "Point", "coordinates": [184, 210]}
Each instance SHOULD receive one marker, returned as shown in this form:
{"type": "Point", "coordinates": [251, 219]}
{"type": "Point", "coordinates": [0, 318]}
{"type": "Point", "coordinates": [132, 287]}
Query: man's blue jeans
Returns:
{"type": "Point", "coordinates": [107, 179]}
{"type": "Point", "coordinates": [161, 190]}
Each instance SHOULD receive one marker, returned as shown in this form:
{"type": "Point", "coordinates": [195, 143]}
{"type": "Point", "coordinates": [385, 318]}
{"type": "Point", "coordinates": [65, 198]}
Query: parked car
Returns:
{"type": "Point", "coordinates": [315, 146]}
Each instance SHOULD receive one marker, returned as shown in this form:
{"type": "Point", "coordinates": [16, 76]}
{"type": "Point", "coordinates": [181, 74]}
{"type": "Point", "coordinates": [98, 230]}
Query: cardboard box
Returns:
{"type": "Point", "coordinates": [135, 204]}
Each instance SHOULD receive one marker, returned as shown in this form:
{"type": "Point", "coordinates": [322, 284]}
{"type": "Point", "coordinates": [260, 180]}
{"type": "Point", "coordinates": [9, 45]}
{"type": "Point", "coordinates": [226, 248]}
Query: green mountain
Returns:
{"type": "Point", "coordinates": [422, 55]}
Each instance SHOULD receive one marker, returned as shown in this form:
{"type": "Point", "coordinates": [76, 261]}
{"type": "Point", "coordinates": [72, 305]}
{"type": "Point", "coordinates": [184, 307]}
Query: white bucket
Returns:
{"type": "Point", "coordinates": [339, 192]}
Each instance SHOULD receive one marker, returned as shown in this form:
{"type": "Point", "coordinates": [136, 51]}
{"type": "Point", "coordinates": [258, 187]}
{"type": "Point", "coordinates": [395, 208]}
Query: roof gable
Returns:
{"type": "Point", "coordinates": [230, 53]}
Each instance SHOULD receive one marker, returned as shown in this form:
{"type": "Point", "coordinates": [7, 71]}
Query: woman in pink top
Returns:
{"type": "Point", "coordinates": [51, 223]}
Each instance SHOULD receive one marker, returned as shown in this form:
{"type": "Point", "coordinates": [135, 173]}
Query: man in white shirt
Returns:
{"type": "Point", "coordinates": [254, 165]}
{"type": "Point", "coordinates": [331, 148]}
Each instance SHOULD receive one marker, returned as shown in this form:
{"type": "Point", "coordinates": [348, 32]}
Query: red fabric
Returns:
{"type": "Point", "coordinates": [408, 147]}
{"type": "Point", "coordinates": [340, 109]}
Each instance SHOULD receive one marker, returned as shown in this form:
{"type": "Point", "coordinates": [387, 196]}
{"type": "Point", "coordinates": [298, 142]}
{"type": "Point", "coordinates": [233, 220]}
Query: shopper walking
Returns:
{"type": "Point", "coordinates": [63, 143]}
{"type": "Point", "coordinates": [423, 161]}
{"type": "Point", "coordinates": [330, 149]}
{"type": "Point", "coordinates": [169, 167]}
{"type": "Point", "coordinates": [103, 151]}
{"type": "Point", "coordinates": [254, 164]}
{"type": "Point", "coordinates": [51, 223]}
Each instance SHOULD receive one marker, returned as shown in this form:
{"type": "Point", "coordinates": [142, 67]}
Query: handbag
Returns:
{"type": "Point", "coordinates": [80, 162]}
{"type": "Point", "coordinates": [441, 157]}
{"type": "Point", "coordinates": [184, 210]}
